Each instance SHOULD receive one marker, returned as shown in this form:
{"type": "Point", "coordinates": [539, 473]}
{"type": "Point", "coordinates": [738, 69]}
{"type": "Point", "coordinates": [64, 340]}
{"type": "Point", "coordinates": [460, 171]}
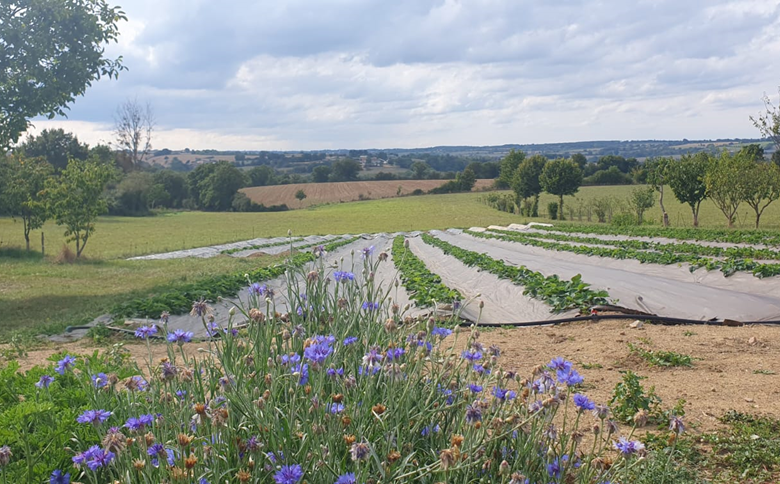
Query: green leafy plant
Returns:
{"type": "Point", "coordinates": [422, 285]}
{"type": "Point", "coordinates": [660, 358]}
{"type": "Point", "coordinates": [629, 397]}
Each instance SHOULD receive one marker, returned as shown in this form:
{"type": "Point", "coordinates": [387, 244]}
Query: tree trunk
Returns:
{"type": "Point", "coordinates": [695, 217]}
{"type": "Point", "coordinates": [78, 246]}
{"type": "Point", "coordinates": [26, 233]}
{"type": "Point", "coordinates": [663, 209]}
{"type": "Point", "coordinates": [758, 218]}
{"type": "Point", "coordinates": [560, 209]}
{"type": "Point", "coordinates": [535, 207]}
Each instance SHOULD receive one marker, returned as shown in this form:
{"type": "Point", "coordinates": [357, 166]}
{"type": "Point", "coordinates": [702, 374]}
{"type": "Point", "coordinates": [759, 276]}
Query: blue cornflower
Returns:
{"type": "Point", "coordinates": [368, 251]}
{"type": "Point", "coordinates": [554, 468]}
{"type": "Point", "coordinates": [180, 336]}
{"type": "Point", "coordinates": [583, 402]}
{"type": "Point", "coordinates": [348, 478]}
{"type": "Point", "coordinates": [332, 372]}
{"type": "Point", "coordinates": [559, 364]}
{"type": "Point", "coordinates": [291, 359]}
{"type": "Point", "coordinates": [629, 447]}
{"type": "Point", "coordinates": [481, 370]}
{"type": "Point", "coordinates": [65, 364]}
{"type": "Point", "coordinates": [503, 394]}
{"type": "Point", "coordinates": [100, 458]}
{"type": "Point", "coordinates": [212, 329]}
{"type": "Point", "coordinates": [317, 352]}
{"type": "Point", "coordinates": [395, 354]}
{"type": "Point", "coordinates": [472, 355]}
{"type": "Point", "coordinates": [475, 388]}
{"type": "Point", "coordinates": [570, 377]}
{"type": "Point", "coordinates": [343, 276]}
{"type": "Point", "coordinates": [100, 380]}
{"type": "Point", "coordinates": [288, 474]}
{"type": "Point", "coordinates": [145, 331]}
{"type": "Point", "coordinates": [155, 449]}
{"type": "Point", "coordinates": [303, 371]}
{"type": "Point", "coordinates": [370, 306]}
{"type": "Point", "coordinates": [441, 332]}
{"type": "Point", "coordinates": [138, 383]}
{"type": "Point", "coordinates": [336, 408]}
{"type": "Point", "coordinates": [57, 477]}
{"type": "Point", "coordinates": [44, 381]}
{"type": "Point", "coordinates": [94, 417]}
{"type": "Point", "coordinates": [427, 430]}
{"type": "Point", "coordinates": [349, 340]}
{"type": "Point", "coordinates": [258, 289]}
{"type": "Point", "coordinates": [473, 414]}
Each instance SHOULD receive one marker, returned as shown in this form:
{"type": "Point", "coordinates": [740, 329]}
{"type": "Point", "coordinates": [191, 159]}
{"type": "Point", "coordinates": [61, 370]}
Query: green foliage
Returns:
{"type": "Point", "coordinates": [660, 358]}
{"type": "Point", "coordinates": [132, 194]}
{"type": "Point", "coordinates": [466, 180]}
{"type": "Point", "coordinates": [508, 167]}
{"type": "Point", "coordinates": [525, 181]}
{"type": "Point", "coordinates": [726, 181]}
{"type": "Point", "coordinates": [345, 170]}
{"type": "Point", "coordinates": [610, 176]}
{"type": "Point", "coordinates": [261, 246]}
{"type": "Point", "coordinates": [687, 179]}
{"type": "Point", "coordinates": [629, 397]}
{"type": "Point", "coordinates": [76, 198]}
{"type": "Point", "coordinates": [25, 195]}
{"type": "Point", "coordinates": [768, 123]}
{"type": "Point", "coordinates": [552, 210]}
{"type": "Point", "coordinates": [561, 177]}
{"type": "Point", "coordinates": [261, 176]}
{"type": "Point", "coordinates": [173, 189]}
{"type": "Point", "coordinates": [300, 195]}
{"type": "Point", "coordinates": [641, 199]}
{"type": "Point", "coordinates": [52, 52]}
{"type": "Point", "coordinates": [561, 295]}
{"type": "Point", "coordinates": [749, 449]}
{"type": "Point", "coordinates": [763, 187]}
{"type": "Point", "coordinates": [420, 170]}
{"type": "Point", "coordinates": [320, 174]}
{"type": "Point", "coordinates": [423, 286]}
{"type": "Point", "coordinates": [55, 146]}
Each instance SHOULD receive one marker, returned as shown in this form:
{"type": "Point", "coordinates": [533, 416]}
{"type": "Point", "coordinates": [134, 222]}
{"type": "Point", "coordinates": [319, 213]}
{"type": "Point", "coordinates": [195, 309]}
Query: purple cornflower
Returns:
{"type": "Point", "coordinates": [145, 331]}
{"type": "Point", "coordinates": [583, 402]}
{"type": "Point", "coordinates": [554, 468]}
{"type": "Point", "coordinates": [503, 394]}
{"type": "Point", "coordinates": [100, 380]}
{"type": "Point", "coordinates": [57, 477]}
{"type": "Point", "coordinates": [100, 458]}
{"type": "Point", "coordinates": [427, 430]}
{"type": "Point", "coordinates": [370, 306]}
{"type": "Point", "coordinates": [559, 364]}
{"type": "Point", "coordinates": [139, 423]}
{"type": "Point", "coordinates": [629, 447]}
{"type": "Point", "coordinates": [288, 474]}
{"type": "Point", "coordinates": [180, 336]}
{"type": "Point", "coordinates": [212, 329]}
{"type": "Point", "coordinates": [303, 371]}
{"type": "Point", "coordinates": [360, 451]}
{"type": "Point", "coordinates": [395, 354]}
{"type": "Point", "coordinates": [494, 350]}
{"type": "Point", "coordinates": [140, 383]}
{"type": "Point", "coordinates": [318, 352]}
{"type": "Point", "coordinates": [473, 414]}
{"type": "Point", "coordinates": [274, 458]}
{"type": "Point", "coordinates": [332, 372]}
{"type": "Point", "coordinates": [676, 424]}
{"type": "Point", "coordinates": [81, 458]}
{"type": "Point", "coordinates": [336, 408]}
{"type": "Point", "coordinates": [155, 449]}
{"type": "Point", "coordinates": [65, 364]}
{"type": "Point", "coordinates": [257, 288]}
{"type": "Point", "coordinates": [181, 394]}
{"type": "Point", "coordinates": [349, 340]}
{"type": "Point", "coordinates": [348, 478]}
{"type": "Point", "coordinates": [472, 355]}
{"type": "Point", "coordinates": [373, 357]}
{"type": "Point", "coordinates": [291, 359]}
{"type": "Point", "coordinates": [45, 381]}
{"type": "Point", "coordinates": [252, 443]}
{"type": "Point", "coordinates": [93, 417]}
{"type": "Point", "coordinates": [169, 370]}
{"type": "Point", "coordinates": [475, 388]}
{"type": "Point", "coordinates": [368, 251]}
{"type": "Point", "coordinates": [343, 276]}
{"type": "Point", "coordinates": [441, 332]}
{"type": "Point", "coordinates": [481, 370]}
{"type": "Point", "coordinates": [570, 377]}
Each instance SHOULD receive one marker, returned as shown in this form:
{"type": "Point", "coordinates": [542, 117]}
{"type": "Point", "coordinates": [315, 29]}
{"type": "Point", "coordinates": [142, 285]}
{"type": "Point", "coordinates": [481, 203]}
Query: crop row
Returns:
{"type": "Point", "coordinates": [559, 294]}
{"type": "Point", "coordinates": [731, 236]}
{"type": "Point", "coordinates": [263, 246]}
{"type": "Point", "coordinates": [179, 301]}
{"type": "Point", "coordinates": [423, 286]}
{"type": "Point", "coordinates": [681, 247]}
{"type": "Point", "coordinates": [728, 266]}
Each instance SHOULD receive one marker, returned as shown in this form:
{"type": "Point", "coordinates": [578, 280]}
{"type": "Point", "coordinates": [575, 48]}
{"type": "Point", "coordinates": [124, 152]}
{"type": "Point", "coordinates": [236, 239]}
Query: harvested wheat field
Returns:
{"type": "Point", "coordinates": [319, 193]}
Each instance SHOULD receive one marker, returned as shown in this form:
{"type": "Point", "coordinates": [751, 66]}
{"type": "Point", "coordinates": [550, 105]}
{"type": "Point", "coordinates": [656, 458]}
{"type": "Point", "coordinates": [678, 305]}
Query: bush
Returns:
{"type": "Point", "coordinates": [610, 176]}
{"type": "Point", "coordinates": [552, 210]}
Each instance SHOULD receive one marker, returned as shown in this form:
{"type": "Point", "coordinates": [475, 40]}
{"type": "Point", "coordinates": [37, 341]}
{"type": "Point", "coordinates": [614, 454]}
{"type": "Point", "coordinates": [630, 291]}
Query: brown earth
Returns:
{"type": "Point", "coordinates": [319, 193]}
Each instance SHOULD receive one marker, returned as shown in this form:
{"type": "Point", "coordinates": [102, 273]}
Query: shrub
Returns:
{"type": "Point", "coordinates": [552, 210]}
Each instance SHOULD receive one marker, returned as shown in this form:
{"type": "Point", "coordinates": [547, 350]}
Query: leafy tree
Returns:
{"type": "Point", "coordinates": [657, 177]}
{"type": "Point", "coordinates": [753, 151]}
{"type": "Point", "coordinates": [51, 52]}
{"type": "Point", "coordinates": [420, 170]}
{"type": "Point", "coordinates": [508, 167]}
{"type": "Point", "coordinates": [25, 195]}
{"type": "Point", "coordinates": [345, 170]}
{"type": "Point", "coordinates": [217, 190]}
{"type": "Point", "coordinates": [76, 198]}
{"type": "Point", "coordinates": [175, 187]}
{"type": "Point", "coordinates": [466, 180]}
{"type": "Point", "coordinates": [640, 200]}
{"type": "Point", "coordinates": [525, 182]}
{"type": "Point", "coordinates": [56, 146]}
{"type": "Point", "coordinates": [776, 158]}
{"type": "Point", "coordinates": [104, 154]}
{"type": "Point", "coordinates": [158, 196]}
{"type": "Point", "coordinates": [610, 176]}
{"type": "Point", "coordinates": [196, 181]}
{"type": "Point", "coordinates": [622, 164]}
{"type": "Point", "coordinates": [133, 126]}
{"type": "Point", "coordinates": [726, 182]}
{"type": "Point", "coordinates": [320, 174]}
{"type": "Point", "coordinates": [763, 187]}
{"type": "Point", "coordinates": [580, 159]}
{"type": "Point", "coordinates": [300, 195]}
{"type": "Point", "coordinates": [768, 122]}
{"type": "Point", "coordinates": [687, 178]}
{"type": "Point", "coordinates": [132, 194]}
{"type": "Point", "coordinates": [261, 176]}
{"type": "Point", "coordinates": [561, 177]}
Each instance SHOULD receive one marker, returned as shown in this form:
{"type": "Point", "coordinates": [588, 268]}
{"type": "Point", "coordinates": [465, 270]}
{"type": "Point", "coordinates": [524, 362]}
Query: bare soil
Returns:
{"type": "Point", "coordinates": [734, 368]}
{"type": "Point", "coordinates": [320, 193]}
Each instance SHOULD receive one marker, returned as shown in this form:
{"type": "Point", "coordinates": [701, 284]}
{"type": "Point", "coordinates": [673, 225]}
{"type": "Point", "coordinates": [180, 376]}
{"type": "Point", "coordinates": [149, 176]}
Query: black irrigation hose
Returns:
{"type": "Point", "coordinates": [628, 314]}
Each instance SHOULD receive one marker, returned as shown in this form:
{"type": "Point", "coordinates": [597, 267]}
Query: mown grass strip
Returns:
{"type": "Point", "coordinates": [559, 294]}
{"type": "Point", "coordinates": [732, 236]}
{"type": "Point", "coordinates": [423, 286]}
{"type": "Point", "coordinates": [180, 300]}
{"type": "Point", "coordinates": [681, 247]}
{"type": "Point", "coordinates": [263, 246]}
{"type": "Point", "coordinates": [728, 266]}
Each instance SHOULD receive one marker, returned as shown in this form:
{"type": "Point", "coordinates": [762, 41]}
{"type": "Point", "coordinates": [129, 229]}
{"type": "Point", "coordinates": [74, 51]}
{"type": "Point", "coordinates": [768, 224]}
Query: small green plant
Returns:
{"type": "Point", "coordinates": [750, 448]}
{"type": "Point", "coordinates": [591, 366]}
{"type": "Point", "coordinates": [689, 333]}
{"type": "Point", "coordinates": [764, 372]}
{"type": "Point", "coordinates": [661, 358]}
{"type": "Point", "coordinates": [629, 397]}
{"type": "Point", "coordinates": [17, 348]}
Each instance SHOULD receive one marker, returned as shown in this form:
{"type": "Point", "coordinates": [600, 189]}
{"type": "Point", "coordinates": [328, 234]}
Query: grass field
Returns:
{"type": "Point", "coordinates": [321, 193]}
{"type": "Point", "coordinates": [38, 294]}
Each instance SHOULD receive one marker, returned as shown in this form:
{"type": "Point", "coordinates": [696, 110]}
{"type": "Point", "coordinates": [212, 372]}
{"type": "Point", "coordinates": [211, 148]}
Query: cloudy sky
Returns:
{"type": "Point", "coordinates": [317, 74]}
